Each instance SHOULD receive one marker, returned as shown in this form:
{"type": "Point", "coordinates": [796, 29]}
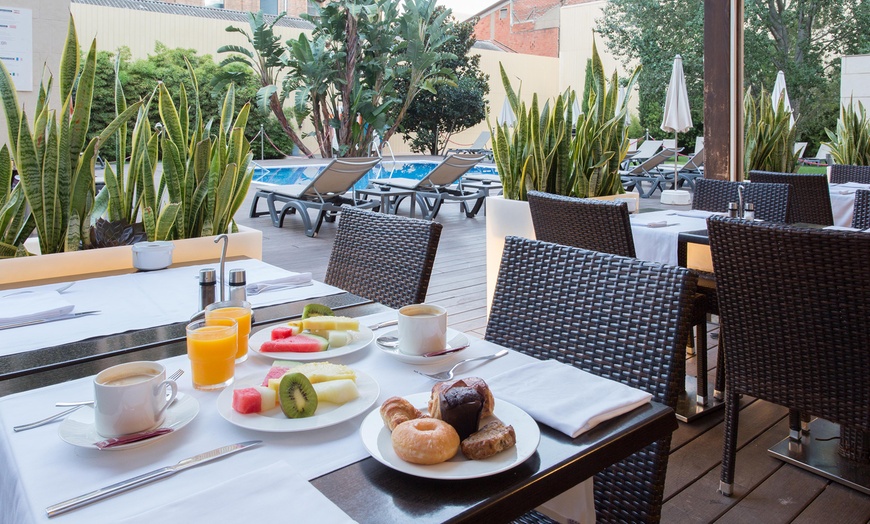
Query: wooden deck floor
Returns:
{"type": "Point", "coordinates": [766, 490]}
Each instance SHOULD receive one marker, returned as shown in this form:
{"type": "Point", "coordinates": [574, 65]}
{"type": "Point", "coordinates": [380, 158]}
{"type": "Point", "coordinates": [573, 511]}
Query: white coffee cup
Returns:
{"type": "Point", "coordinates": [131, 397]}
{"type": "Point", "coordinates": [422, 329]}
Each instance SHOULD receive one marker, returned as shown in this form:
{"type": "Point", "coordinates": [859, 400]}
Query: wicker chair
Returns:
{"type": "Point", "coordinates": [812, 198]}
{"type": "Point", "coordinates": [796, 333]}
{"type": "Point", "coordinates": [604, 226]}
{"type": "Point", "coordinates": [581, 307]}
{"type": "Point", "coordinates": [861, 210]}
{"type": "Point", "coordinates": [771, 200]}
{"type": "Point", "coordinates": [840, 174]}
{"type": "Point", "coordinates": [589, 224]}
{"type": "Point", "coordinates": [387, 258]}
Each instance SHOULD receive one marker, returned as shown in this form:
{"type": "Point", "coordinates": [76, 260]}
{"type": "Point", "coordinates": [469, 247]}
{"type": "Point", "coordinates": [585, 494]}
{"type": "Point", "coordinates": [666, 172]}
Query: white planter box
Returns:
{"type": "Point", "coordinates": [247, 242]}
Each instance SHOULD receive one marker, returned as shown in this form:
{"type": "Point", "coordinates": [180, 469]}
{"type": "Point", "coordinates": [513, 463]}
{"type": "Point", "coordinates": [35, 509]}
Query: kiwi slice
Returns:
{"type": "Point", "coordinates": [316, 310]}
{"type": "Point", "coordinates": [296, 396]}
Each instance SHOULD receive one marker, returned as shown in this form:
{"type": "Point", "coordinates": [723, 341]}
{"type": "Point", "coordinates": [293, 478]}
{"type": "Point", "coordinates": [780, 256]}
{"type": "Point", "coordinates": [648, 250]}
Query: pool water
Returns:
{"type": "Point", "coordinates": [288, 175]}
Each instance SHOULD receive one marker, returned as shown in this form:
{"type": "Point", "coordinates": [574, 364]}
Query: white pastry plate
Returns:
{"type": "Point", "coordinates": [275, 421]}
{"type": "Point", "coordinates": [376, 438]}
{"type": "Point", "coordinates": [79, 430]}
{"type": "Point", "coordinates": [361, 339]}
{"type": "Point", "coordinates": [454, 339]}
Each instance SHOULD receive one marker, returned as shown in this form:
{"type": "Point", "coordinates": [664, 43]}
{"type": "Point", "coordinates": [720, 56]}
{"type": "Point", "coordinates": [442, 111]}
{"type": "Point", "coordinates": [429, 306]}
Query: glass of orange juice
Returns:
{"type": "Point", "coordinates": [211, 347]}
{"type": "Point", "coordinates": [240, 311]}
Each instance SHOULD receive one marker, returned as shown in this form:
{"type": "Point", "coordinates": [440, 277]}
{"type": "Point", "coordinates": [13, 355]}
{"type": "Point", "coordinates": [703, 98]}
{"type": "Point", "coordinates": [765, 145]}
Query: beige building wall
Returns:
{"type": "Point", "coordinates": [50, 20]}
{"type": "Point", "coordinates": [575, 48]}
{"type": "Point", "coordinates": [530, 73]}
{"type": "Point", "coordinates": [855, 80]}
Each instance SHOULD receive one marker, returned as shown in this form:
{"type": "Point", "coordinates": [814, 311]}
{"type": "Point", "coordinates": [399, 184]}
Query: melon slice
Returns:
{"type": "Point", "coordinates": [324, 371]}
{"type": "Point", "coordinates": [336, 391]}
{"type": "Point", "coordinates": [336, 338]}
{"type": "Point", "coordinates": [330, 323]}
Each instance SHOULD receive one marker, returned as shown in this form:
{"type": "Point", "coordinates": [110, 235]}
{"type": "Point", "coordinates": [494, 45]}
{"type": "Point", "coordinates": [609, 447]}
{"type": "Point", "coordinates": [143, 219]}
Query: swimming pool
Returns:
{"type": "Point", "coordinates": [415, 170]}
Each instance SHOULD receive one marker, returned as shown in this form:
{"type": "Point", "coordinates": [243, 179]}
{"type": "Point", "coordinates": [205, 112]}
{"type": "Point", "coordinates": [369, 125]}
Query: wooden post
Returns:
{"type": "Point", "coordinates": [723, 89]}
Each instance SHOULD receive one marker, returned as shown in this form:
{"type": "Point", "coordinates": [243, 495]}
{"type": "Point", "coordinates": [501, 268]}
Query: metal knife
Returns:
{"type": "Point", "coordinates": [44, 320]}
{"type": "Point", "coordinates": [151, 476]}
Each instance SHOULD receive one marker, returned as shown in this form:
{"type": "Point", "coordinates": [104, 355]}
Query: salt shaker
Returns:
{"type": "Point", "coordinates": [237, 285]}
{"type": "Point", "coordinates": [732, 210]}
{"type": "Point", "coordinates": [749, 211]}
{"type": "Point", "coordinates": [207, 285]}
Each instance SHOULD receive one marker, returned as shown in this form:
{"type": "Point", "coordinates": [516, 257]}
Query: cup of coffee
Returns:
{"type": "Point", "coordinates": [131, 397]}
{"type": "Point", "coordinates": [422, 329]}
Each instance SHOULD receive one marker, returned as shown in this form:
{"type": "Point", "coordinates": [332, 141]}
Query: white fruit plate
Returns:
{"type": "Point", "coordinates": [377, 440]}
{"type": "Point", "coordinates": [361, 339]}
{"type": "Point", "coordinates": [275, 421]}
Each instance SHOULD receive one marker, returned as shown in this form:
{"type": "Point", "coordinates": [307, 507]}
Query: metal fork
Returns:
{"type": "Point", "coordinates": [448, 375]}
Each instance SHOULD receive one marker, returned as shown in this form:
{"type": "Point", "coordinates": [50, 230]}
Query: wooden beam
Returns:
{"type": "Point", "coordinates": [723, 89]}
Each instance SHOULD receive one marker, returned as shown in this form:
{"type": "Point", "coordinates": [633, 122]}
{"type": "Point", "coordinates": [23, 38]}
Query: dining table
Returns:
{"type": "Point", "coordinates": [843, 201]}
{"type": "Point", "coordinates": [325, 471]}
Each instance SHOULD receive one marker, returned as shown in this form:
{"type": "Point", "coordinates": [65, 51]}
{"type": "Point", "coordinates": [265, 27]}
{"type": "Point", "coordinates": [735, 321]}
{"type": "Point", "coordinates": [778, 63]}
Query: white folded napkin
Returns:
{"type": "Point", "coordinates": [663, 223]}
{"type": "Point", "coordinates": [564, 397]}
{"type": "Point", "coordinates": [296, 280]}
{"type": "Point", "coordinates": [251, 498]}
{"type": "Point", "coordinates": [27, 306]}
{"type": "Point", "coordinates": [841, 228]}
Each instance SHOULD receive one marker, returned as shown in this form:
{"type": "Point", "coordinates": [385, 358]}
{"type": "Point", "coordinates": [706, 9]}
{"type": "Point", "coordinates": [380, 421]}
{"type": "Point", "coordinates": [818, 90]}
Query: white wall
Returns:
{"type": "Point", "coordinates": [855, 80]}
{"type": "Point", "coordinates": [50, 20]}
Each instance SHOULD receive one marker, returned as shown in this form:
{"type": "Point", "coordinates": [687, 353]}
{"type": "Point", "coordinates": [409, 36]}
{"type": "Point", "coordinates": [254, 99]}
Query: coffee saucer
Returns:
{"type": "Point", "coordinates": [80, 430]}
{"type": "Point", "coordinates": [454, 339]}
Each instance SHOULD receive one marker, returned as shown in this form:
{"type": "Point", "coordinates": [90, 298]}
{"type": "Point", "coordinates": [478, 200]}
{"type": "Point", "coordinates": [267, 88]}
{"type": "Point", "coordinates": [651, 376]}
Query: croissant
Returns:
{"type": "Point", "coordinates": [476, 383]}
{"type": "Point", "coordinates": [396, 410]}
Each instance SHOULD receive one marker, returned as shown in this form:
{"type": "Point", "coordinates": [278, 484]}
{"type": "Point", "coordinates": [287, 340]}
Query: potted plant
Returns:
{"type": "Point", "coordinates": [770, 135]}
{"type": "Point", "coordinates": [850, 144]}
{"type": "Point", "coordinates": [568, 146]}
{"type": "Point", "coordinates": [207, 172]}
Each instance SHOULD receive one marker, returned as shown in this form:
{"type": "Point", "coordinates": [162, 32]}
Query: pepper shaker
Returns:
{"type": "Point", "coordinates": [237, 285]}
{"type": "Point", "coordinates": [749, 211]}
{"type": "Point", "coordinates": [207, 285]}
{"type": "Point", "coordinates": [732, 210]}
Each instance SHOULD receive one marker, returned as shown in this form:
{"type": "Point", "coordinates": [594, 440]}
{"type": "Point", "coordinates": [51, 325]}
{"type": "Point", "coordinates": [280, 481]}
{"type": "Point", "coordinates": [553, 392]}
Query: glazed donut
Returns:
{"type": "Point", "coordinates": [477, 383]}
{"type": "Point", "coordinates": [425, 441]}
{"type": "Point", "coordinates": [396, 410]}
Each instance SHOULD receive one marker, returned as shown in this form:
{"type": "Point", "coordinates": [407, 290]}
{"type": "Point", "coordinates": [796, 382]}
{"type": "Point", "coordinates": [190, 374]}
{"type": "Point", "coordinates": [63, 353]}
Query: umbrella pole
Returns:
{"type": "Point", "coordinates": [676, 157]}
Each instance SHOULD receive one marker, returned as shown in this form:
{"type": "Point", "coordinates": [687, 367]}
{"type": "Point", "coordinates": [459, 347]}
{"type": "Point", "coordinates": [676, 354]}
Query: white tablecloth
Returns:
{"type": "Point", "coordinates": [843, 201]}
{"type": "Point", "coordinates": [39, 469]}
{"type": "Point", "coordinates": [141, 300]}
{"type": "Point", "coordinates": [660, 244]}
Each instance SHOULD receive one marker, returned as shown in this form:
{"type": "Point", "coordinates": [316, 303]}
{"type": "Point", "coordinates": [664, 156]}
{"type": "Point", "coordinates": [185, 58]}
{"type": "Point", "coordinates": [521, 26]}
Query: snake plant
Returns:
{"type": "Point", "coordinates": [206, 172]}
{"type": "Point", "coordinates": [541, 154]}
{"type": "Point", "coordinates": [15, 224]}
{"type": "Point", "coordinates": [851, 143]}
{"type": "Point", "coordinates": [55, 160]}
{"type": "Point", "coordinates": [769, 136]}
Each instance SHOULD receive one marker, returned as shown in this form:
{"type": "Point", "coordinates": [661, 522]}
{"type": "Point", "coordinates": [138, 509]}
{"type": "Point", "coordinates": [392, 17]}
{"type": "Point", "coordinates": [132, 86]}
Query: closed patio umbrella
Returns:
{"type": "Point", "coordinates": [780, 91]}
{"type": "Point", "coordinates": [507, 115]}
{"type": "Point", "coordinates": [677, 117]}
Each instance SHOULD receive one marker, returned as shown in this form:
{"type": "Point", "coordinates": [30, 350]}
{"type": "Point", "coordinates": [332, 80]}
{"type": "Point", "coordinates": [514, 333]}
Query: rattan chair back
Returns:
{"type": "Point", "coordinates": [771, 200]}
{"type": "Point", "coordinates": [796, 331]}
{"type": "Point", "coordinates": [811, 202]}
{"type": "Point", "coordinates": [597, 225]}
{"type": "Point", "coordinates": [861, 210]}
{"type": "Point", "coordinates": [582, 308]}
{"type": "Point", "coordinates": [840, 174]}
{"type": "Point", "coordinates": [386, 258]}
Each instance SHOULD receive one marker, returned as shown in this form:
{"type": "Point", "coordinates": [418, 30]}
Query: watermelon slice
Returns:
{"type": "Point", "coordinates": [283, 332]}
{"type": "Point", "coordinates": [253, 400]}
{"type": "Point", "coordinates": [275, 372]}
{"type": "Point", "coordinates": [295, 344]}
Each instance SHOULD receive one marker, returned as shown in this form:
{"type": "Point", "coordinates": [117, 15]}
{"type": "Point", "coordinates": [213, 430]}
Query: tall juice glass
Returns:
{"type": "Point", "coordinates": [240, 311]}
{"type": "Point", "coordinates": [211, 347]}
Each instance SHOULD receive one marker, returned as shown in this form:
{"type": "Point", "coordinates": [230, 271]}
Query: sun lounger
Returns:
{"type": "Point", "coordinates": [688, 172]}
{"type": "Point", "coordinates": [325, 193]}
{"type": "Point", "coordinates": [443, 183]}
{"type": "Point", "coordinates": [647, 172]}
{"type": "Point", "coordinates": [477, 148]}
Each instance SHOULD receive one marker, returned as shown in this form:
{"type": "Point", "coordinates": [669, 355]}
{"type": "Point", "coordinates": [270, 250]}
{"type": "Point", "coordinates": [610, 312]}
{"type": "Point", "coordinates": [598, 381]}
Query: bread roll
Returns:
{"type": "Point", "coordinates": [492, 438]}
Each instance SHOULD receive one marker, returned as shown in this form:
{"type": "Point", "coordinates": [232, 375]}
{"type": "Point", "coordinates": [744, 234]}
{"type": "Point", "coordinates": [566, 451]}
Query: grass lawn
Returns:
{"type": "Point", "coordinates": [812, 170]}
